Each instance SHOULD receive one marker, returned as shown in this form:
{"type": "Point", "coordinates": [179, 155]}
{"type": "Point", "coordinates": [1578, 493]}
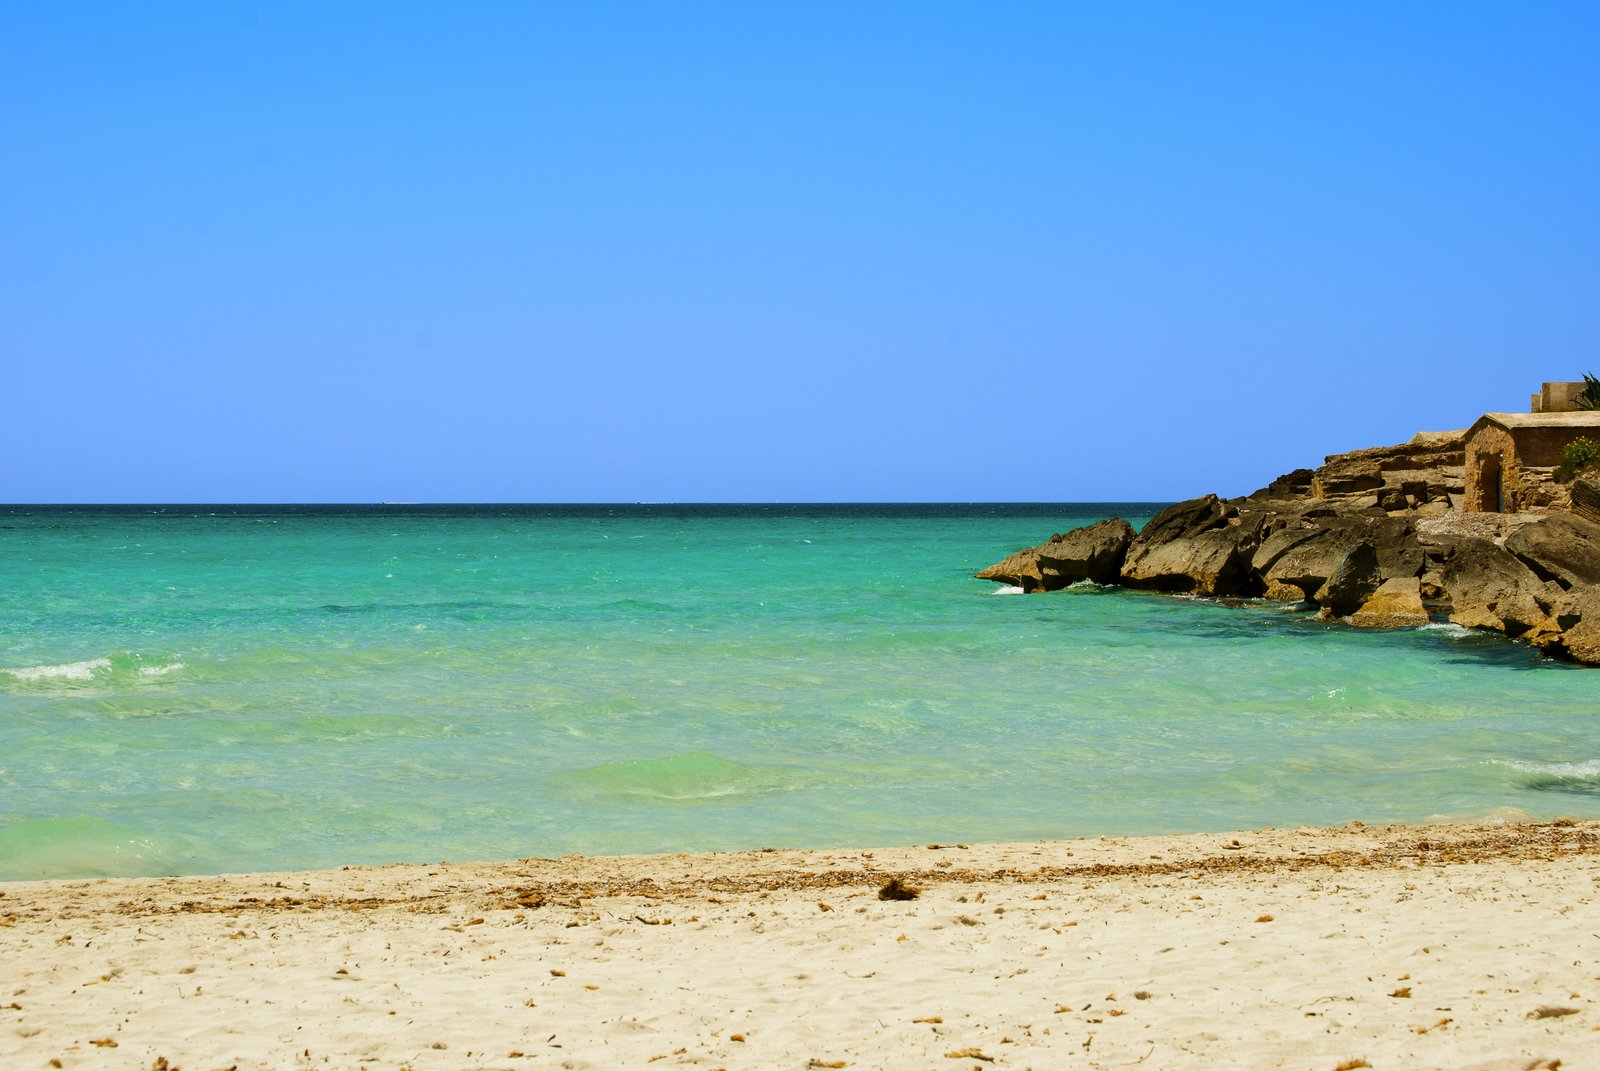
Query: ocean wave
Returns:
{"type": "Point", "coordinates": [106, 669]}
{"type": "Point", "coordinates": [697, 777]}
{"type": "Point", "coordinates": [1007, 589]}
{"type": "Point", "coordinates": [1448, 628]}
{"type": "Point", "coordinates": [66, 671]}
{"type": "Point", "coordinates": [1580, 778]}
{"type": "Point", "coordinates": [1585, 768]}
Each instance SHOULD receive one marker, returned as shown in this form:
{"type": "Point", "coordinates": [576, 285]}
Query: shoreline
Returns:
{"type": "Point", "coordinates": [1469, 945]}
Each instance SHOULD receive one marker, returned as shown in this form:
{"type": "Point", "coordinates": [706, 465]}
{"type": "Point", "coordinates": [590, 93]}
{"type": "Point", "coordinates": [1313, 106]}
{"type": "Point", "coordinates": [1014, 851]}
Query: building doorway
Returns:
{"type": "Point", "coordinates": [1491, 483]}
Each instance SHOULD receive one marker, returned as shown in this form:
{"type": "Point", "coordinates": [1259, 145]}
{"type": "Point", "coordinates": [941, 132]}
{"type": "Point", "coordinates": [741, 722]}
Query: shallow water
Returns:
{"type": "Point", "coordinates": [188, 690]}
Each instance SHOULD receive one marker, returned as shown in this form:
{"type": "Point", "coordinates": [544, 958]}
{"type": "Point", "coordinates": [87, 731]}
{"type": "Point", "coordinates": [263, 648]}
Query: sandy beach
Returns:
{"type": "Point", "coordinates": [1471, 946]}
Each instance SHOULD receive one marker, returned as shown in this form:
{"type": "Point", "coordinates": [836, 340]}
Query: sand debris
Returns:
{"type": "Point", "coordinates": [896, 889]}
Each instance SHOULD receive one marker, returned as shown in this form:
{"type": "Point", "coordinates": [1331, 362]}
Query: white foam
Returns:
{"type": "Point", "coordinates": [1587, 768]}
{"type": "Point", "coordinates": [160, 671]}
{"type": "Point", "coordinates": [1007, 589]}
{"type": "Point", "coordinates": [1498, 816]}
{"type": "Point", "coordinates": [66, 671]}
{"type": "Point", "coordinates": [1454, 630]}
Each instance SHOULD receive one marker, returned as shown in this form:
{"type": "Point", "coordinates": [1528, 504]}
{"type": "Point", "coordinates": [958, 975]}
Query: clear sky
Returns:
{"type": "Point", "coordinates": [760, 251]}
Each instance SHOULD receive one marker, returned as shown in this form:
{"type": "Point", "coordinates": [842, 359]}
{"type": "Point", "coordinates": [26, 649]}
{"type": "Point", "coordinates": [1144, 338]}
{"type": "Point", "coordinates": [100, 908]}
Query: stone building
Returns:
{"type": "Point", "coordinates": [1511, 456]}
{"type": "Point", "coordinates": [1557, 398]}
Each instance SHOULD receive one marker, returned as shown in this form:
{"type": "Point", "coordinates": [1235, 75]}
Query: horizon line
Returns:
{"type": "Point", "coordinates": [663, 502]}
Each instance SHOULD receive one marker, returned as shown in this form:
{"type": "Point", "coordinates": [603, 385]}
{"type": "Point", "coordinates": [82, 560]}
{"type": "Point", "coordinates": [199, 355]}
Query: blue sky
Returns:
{"type": "Point", "coordinates": [757, 252]}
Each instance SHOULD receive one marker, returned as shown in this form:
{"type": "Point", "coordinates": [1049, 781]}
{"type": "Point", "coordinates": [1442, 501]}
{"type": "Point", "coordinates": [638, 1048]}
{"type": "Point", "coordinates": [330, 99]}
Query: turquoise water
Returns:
{"type": "Point", "coordinates": [190, 690]}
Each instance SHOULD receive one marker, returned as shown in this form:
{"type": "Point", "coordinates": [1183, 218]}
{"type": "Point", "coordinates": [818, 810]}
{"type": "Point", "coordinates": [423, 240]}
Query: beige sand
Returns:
{"type": "Point", "coordinates": [1420, 947]}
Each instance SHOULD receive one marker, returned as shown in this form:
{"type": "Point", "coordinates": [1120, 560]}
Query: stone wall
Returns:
{"type": "Point", "coordinates": [1543, 446]}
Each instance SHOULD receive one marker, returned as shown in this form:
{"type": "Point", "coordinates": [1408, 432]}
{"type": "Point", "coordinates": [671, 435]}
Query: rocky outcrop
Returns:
{"type": "Point", "coordinates": [1092, 553]}
{"type": "Point", "coordinates": [1372, 538]}
{"type": "Point", "coordinates": [1207, 563]}
{"type": "Point", "coordinates": [1199, 547]}
{"type": "Point", "coordinates": [1305, 552]}
{"type": "Point", "coordinates": [1426, 472]}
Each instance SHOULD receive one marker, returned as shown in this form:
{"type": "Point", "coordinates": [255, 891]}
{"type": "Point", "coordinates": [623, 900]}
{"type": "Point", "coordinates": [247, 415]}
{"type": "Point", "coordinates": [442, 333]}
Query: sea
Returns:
{"type": "Point", "coordinates": [212, 689]}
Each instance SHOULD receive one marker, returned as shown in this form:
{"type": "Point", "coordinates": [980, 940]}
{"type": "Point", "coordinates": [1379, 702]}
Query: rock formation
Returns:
{"type": "Point", "coordinates": [1375, 538]}
{"type": "Point", "coordinates": [1092, 553]}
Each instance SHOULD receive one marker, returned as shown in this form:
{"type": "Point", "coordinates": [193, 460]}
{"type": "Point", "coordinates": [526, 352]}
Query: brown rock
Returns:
{"type": "Point", "coordinates": [1184, 519]}
{"type": "Point", "coordinates": [1304, 554]}
{"type": "Point", "coordinates": [1297, 559]}
{"type": "Point", "coordinates": [1563, 547]}
{"type": "Point", "coordinates": [1296, 484]}
{"type": "Point", "coordinates": [1019, 570]}
{"type": "Point", "coordinates": [1577, 613]}
{"type": "Point", "coordinates": [1202, 547]}
{"type": "Point", "coordinates": [1094, 552]}
{"type": "Point", "coordinates": [1208, 563]}
{"type": "Point", "coordinates": [1280, 592]}
{"type": "Point", "coordinates": [1354, 580]}
{"type": "Point", "coordinates": [1433, 460]}
{"type": "Point", "coordinates": [1489, 587]}
{"type": "Point", "coordinates": [1585, 496]}
{"type": "Point", "coordinates": [1397, 603]}
{"type": "Point", "coordinates": [1347, 478]}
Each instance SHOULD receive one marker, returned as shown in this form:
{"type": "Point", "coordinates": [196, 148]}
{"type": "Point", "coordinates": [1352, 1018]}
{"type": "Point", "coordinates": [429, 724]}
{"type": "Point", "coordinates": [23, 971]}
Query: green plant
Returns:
{"type": "Point", "coordinates": [1590, 398]}
{"type": "Point", "coordinates": [1577, 456]}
